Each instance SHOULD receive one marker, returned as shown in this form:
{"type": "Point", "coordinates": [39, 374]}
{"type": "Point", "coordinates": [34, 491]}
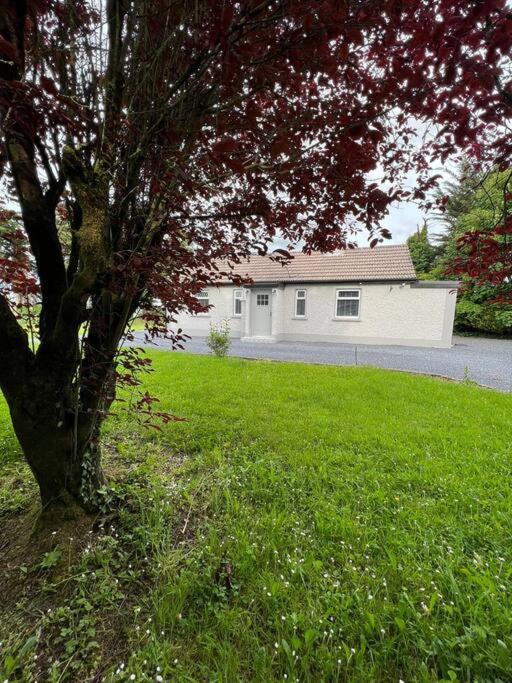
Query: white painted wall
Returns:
{"type": "Point", "coordinates": [222, 300]}
{"type": "Point", "coordinates": [389, 314]}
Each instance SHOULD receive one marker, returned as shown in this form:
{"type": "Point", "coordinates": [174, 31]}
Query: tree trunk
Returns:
{"type": "Point", "coordinates": [59, 396]}
{"type": "Point", "coordinates": [60, 446]}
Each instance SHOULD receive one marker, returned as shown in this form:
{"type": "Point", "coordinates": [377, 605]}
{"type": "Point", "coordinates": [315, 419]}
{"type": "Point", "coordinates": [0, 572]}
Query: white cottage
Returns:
{"type": "Point", "coordinates": [359, 296]}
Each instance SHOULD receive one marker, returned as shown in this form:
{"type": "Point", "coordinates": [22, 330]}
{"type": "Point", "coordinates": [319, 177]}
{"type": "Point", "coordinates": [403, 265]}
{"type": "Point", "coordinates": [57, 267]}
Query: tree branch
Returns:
{"type": "Point", "coordinates": [15, 353]}
{"type": "Point", "coordinates": [116, 10]}
{"type": "Point", "coordinates": [39, 224]}
{"type": "Point", "coordinates": [37, 213]}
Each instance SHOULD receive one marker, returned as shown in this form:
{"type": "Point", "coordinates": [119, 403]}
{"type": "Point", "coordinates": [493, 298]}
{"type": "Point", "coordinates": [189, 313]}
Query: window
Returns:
{"type": "Point", "coordinates": [204, 300]}
{"type": "Point", "coordinates": [300, 303]}
{"type": "Point", "coordinates": [237, 303]}
{"type": "Point", "coordinates": [347, 303]}
{"type": "Point", "coordinates": [261, 299]}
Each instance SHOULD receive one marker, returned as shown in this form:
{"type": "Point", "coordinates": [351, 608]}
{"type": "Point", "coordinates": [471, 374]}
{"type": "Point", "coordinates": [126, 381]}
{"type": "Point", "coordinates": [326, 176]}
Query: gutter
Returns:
{"type": "Point", "coordinates": [436, 284]}
{"type": "Point", "coordinates": [302, 281]}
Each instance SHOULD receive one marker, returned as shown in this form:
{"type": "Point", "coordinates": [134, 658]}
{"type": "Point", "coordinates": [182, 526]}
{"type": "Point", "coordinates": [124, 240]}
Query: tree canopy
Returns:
{"type": "Point", "coordinates": [474, 204]}
{"type": "Point", "coordinates": [148, 144]}
{"type": "Point", "coordinates": [479, 249]}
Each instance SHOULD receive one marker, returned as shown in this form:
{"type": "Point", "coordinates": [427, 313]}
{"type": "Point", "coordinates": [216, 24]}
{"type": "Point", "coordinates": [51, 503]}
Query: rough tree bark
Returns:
{"type": "Point", "coordinates": [54, 417]}
{"type": "Point", "coordinates": [65, 460]}
{"type": "Point", "coordinates": [59, 440]}
{"type": "Point", "coordinates": [59, 394]}
{"type": "Point", "coordinates": [58, 398]}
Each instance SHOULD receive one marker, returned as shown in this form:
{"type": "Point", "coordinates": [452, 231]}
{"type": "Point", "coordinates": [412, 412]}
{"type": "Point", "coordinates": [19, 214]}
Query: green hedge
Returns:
{"type": "Point", "coordinates": [483, 317]}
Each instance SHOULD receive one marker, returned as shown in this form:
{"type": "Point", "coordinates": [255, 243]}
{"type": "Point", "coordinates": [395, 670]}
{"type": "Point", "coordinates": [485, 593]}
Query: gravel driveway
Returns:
{"type": "Point", "coordinates": [488, 361]}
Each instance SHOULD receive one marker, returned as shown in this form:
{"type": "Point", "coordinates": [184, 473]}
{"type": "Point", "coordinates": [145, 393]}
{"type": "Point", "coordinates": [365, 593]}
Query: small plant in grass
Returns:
{"type": "Point", "coordinates": [466, 379]}
{"type": "Point", "coordinates": [218, 340]}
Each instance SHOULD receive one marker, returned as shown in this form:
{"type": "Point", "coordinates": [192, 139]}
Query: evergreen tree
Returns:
{"type": "Point", "coordinates": [423, 253]}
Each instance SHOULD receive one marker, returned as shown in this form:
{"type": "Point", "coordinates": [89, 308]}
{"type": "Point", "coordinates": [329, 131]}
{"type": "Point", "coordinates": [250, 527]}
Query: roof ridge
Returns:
{"type": "Point", "coordinates": [340, 251]}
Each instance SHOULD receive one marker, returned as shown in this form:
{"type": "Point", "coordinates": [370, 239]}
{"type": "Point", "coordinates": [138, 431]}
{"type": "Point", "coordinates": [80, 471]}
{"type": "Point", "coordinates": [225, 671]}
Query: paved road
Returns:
{"type": "Point", "coordinates": [488, 361]}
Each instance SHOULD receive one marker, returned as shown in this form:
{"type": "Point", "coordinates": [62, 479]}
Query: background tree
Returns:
{"type": "Point", "coordinates": [175, 138]}
{"type": "Point", "coordinates": [483, 257]}
{"type": "Point", "coordinates": [423, 253]}
{"type": "Point", "coordinates": [475, 203]}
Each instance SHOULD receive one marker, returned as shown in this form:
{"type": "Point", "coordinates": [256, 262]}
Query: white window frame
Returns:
{"type": "Point", "coordinates": [204, 294]}
{"type": "Point", "coordinates": [347, 298]}
{"type": "Point", "coordinates": [238, 295]}
{"type": "Point", "coordinates": [301, 298]}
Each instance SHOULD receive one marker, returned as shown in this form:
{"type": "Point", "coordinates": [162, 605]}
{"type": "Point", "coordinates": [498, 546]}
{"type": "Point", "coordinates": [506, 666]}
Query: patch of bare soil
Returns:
{"type": "Point", "coordinates": [31, 566]}
{"type": "Point", "coordinates": [26, 538]}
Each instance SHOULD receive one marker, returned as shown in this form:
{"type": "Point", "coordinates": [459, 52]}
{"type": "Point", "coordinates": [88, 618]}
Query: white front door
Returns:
{"type": "Point", "coordinates": [261, 312]}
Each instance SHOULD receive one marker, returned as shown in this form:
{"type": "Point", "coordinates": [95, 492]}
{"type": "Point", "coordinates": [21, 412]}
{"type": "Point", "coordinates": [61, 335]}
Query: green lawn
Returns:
{"type": "Point", "coordinates": [305, 524]}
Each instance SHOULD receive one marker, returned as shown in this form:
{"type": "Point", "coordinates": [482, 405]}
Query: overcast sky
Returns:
{"type": "Point", "coordinates": [405, 217]}
{"type": "Point", "coordinates": [402, 221]}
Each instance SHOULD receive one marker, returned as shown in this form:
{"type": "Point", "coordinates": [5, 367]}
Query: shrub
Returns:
{"type": "Point", "coordinates": [218, 340]}
{"type": "Point", "coordinates": [483, 317]}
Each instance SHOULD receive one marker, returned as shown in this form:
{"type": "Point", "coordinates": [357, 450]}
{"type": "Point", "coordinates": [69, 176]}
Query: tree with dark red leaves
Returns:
{"type": "Point", "coordinates": [485, 259]}
{"type": "Point", "coordinates": [149, 143]}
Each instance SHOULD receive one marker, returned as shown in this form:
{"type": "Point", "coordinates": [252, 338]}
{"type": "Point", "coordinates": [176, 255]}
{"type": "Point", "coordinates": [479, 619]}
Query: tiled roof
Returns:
{"type": "Point", "coordinates": [390, 262]}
